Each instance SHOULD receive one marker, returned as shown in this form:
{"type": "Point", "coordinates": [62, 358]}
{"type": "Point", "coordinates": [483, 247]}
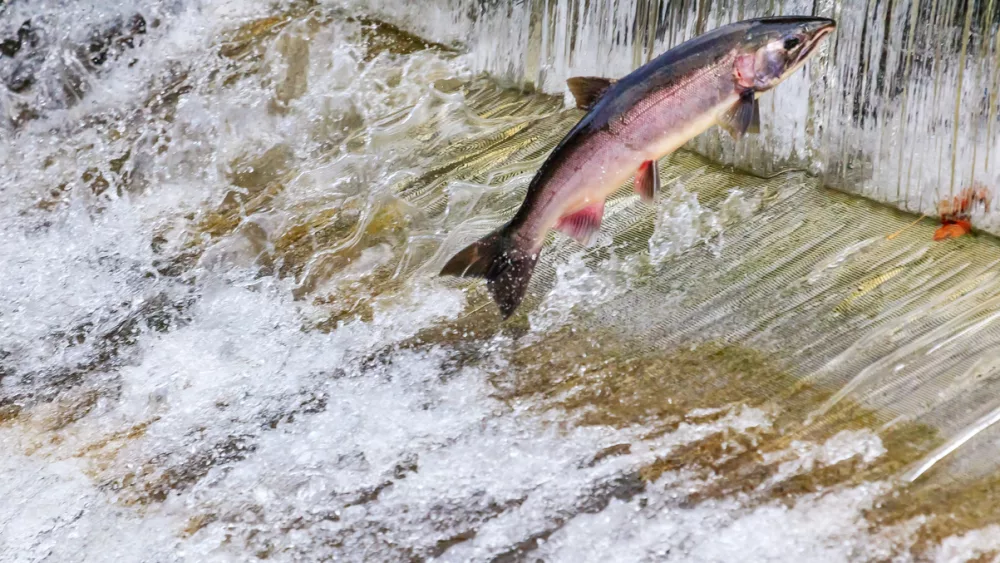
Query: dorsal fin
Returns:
{"type": "Point", "coordinates": [588, 89]}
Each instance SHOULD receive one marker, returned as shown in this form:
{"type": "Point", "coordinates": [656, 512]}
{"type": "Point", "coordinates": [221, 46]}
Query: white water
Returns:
{"type": "Point", "coordinates": [133, 368]}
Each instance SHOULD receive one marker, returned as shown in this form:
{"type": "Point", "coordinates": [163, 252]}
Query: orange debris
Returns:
{"type": "Point", "coordinates": [956, 213]}
{"type": "Point", "coordinates": [953, 230]}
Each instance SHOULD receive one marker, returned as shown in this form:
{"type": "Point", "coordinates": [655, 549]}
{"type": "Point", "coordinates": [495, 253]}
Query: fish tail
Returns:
{"type": "Point", "coordinates": [504, 260]}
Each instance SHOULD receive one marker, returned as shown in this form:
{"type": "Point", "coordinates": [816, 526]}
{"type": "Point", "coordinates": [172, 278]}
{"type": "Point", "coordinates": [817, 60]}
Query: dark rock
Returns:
{"type": "Point", "coordinates": [112, 41]}
{"type": "Point", "coordinates": [25, 34]}
{"type": "Point", "coordinates": [22, 77]}
{"type": "Point", "coordinates": [9, 47]}
{"type": "Point", "coordinates": [137, 25]}
{"type": "Point", "coordinates": [28, 34]}
{"type": "Point", "coordinates": [37, 62]}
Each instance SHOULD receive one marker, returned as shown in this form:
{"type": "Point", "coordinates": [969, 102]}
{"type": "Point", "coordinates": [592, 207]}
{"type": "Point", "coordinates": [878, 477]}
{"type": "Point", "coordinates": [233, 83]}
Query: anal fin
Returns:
{"type": "Point", "coordinates": [743, 117]}
{"type": "Point", "coordinates": [647, 181]}
{"type": "Point", "coordinates": [583, 224]}
{"type": "Point", "coordinates": [587, 90]}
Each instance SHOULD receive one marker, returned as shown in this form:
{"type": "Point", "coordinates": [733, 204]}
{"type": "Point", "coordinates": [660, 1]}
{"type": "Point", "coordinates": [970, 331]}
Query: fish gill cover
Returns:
{"type": "Point", "coordinates": [222, 337]}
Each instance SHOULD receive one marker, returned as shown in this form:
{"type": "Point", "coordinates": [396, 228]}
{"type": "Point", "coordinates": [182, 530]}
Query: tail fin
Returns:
{"type": "Point", "coordinates": [503, 261]}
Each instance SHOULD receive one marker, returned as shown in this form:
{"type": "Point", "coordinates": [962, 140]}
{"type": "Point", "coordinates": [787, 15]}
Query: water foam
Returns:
{"type": "Point", "coordinates": [181, 394]}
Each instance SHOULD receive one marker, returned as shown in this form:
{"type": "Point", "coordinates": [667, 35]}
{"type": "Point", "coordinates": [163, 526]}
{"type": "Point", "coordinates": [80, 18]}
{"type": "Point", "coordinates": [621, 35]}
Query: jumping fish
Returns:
{"type": "Point", "coordinates": [630, 124]}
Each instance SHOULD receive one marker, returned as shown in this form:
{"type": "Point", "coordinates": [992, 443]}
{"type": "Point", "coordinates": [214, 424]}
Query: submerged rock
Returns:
{"type": "Point", "coordinates": [49, 65]}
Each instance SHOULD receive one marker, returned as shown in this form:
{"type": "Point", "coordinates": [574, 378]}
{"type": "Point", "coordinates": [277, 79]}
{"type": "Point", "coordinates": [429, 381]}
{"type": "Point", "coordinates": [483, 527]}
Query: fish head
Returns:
{"type": "Point", "coordinates": [774, 48]}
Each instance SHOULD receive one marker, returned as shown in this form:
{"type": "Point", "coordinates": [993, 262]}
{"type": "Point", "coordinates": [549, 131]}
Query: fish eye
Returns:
{"type": "Point", "coordinates": [791, 43]}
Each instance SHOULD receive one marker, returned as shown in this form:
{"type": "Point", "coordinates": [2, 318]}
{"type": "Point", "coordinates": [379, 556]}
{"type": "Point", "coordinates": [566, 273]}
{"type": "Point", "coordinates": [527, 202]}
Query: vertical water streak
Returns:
{"type": "Point", "coordinates": [958, 97]}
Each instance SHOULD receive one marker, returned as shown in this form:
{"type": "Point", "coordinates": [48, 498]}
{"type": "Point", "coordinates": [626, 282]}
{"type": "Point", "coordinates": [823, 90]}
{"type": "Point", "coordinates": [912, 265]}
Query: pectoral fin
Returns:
{"type": "Point", "coordinates": [647, 181]}
{"type": "Point", "coordinates": [744, 117]}
{"type": "Point", "coordinates": [588, 89]}
{"type": "Point", "coordinates": [583, 224]}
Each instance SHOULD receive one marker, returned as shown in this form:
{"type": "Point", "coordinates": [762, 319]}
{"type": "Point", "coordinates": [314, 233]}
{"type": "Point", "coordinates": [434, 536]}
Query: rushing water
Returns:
{"type": "Point", "coordinates": [221, 338]}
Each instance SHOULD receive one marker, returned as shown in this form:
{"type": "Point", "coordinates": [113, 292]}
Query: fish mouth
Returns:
{"type": "Point", "coordinates": [816, 35]}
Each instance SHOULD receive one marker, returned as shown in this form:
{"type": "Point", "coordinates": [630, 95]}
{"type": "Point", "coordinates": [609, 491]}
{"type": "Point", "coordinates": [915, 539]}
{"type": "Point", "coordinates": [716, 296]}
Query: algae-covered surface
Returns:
{"type": "Point", "coordinates": [224, 337]}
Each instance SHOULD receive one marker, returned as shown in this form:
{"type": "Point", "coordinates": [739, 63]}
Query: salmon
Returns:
{"type": "Point", "coordinates": [630, 123]}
